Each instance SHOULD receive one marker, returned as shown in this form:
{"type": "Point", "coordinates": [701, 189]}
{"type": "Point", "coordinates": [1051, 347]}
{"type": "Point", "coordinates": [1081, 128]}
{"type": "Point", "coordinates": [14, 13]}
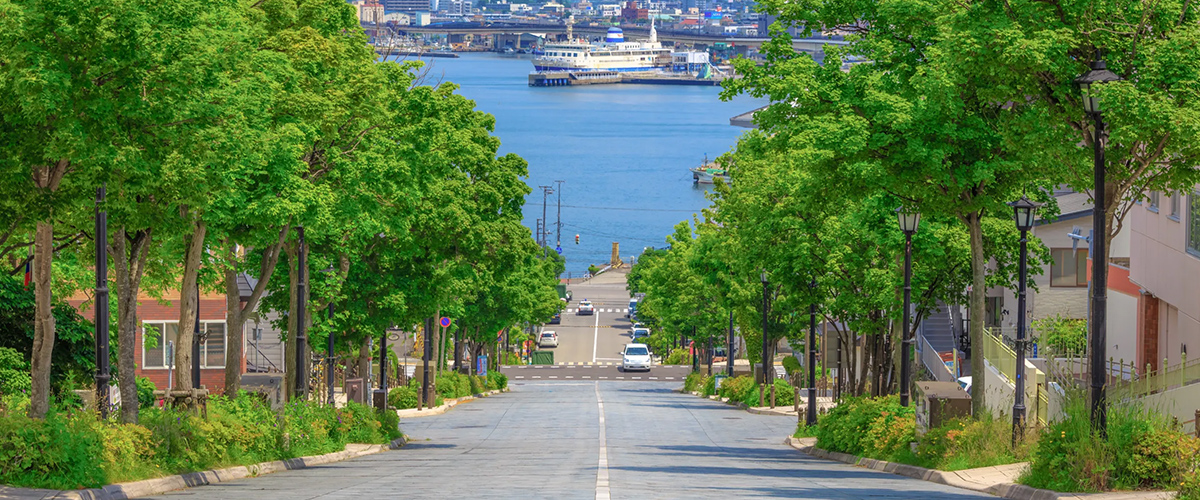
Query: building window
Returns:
{"type": "Point", "coordinates": [1193, 226]}
{"type": "Point", "coordinates": [1069, 268]}
{"type": "Point", "coordinates": [1154, 201]}
{"type": "Point", "coordinates": [1175, 205]}
{"type": "Point", "coordinates": [156, 335]}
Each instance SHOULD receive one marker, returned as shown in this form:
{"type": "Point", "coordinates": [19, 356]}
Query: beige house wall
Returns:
{"type": "Point", "coordinates": [1161, 265]}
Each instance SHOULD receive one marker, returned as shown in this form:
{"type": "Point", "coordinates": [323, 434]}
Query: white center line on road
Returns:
{"type": "Point", "coordinates": [537, 376]}
{"type": "Point", "coordinates": [554, 376]}
{"type": "Point", "coordinates": [604, 377]}
{"type": "Point", "coordinates": [595, 336]}
{"type": "Point", "coordinates": [586, 376]}
{"type": "Point", "coordinates": [520, 376]}
{"type": "Point", "coordinates": [568, 376]}
{"type": "Point", "coordinates": [602, 492]}
{"type": "Point", "coordinates": [636, 378]}
{"type": "Point", "coordinates": [653, 378]}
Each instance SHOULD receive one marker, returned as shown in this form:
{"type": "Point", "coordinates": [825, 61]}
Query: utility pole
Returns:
{"type": "Point", "coordinates": [545, 192]}
{"type": "Point", "coordinates": [558, 225]}
{"type": "Point", "coordinates": [301, 389]}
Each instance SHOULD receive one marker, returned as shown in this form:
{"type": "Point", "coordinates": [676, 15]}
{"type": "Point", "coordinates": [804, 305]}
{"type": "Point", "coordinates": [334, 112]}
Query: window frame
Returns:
{"type": "Point", "coordinates": [1174, 215]}
{"type": "Point", "coordinates": [1080, 278]}
{"type": "Point", "coordinates": [1153, 205]}
{"type": "Point", "coordinates": [1190, 230]}
{"type": "Point", "coordinates": [169, 364]}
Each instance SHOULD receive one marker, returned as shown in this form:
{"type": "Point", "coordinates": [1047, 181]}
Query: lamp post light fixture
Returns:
{"type": "Point", "coordinates": [765, 353]}
{"type": "Point", "coordinates": [1023, 213]}
{"type": "Point", "coordinates": [909, 220]}
{"type": "Point", "coordinates": [1097, 76]}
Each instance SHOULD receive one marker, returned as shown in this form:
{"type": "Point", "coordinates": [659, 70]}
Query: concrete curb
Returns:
{"type": "Point", "coordinates": [446, 406]}
{"type": "Point", "coordinates": [777, 412]}
{"type": "Point", "coordinates": [1002, 489]}
{"type": "Point", "coordinates": [159, 485]}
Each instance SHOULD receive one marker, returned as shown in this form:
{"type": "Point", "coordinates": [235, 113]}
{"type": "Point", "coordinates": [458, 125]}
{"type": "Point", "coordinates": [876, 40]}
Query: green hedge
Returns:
{"type": "Point", "coordinates": [71, 450]}
{"type": "Point", "coordinates": [870, 427]}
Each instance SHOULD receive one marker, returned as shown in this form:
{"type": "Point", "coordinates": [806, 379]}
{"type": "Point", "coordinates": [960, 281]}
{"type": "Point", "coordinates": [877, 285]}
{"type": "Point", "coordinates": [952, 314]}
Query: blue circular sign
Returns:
{"type": "Point", "coordinates": [445, 322]}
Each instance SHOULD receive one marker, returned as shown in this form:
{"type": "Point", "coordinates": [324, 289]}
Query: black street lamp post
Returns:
{"type": "Point", "coordinates": [1023, 212]}
{"type": "Point", "coordinates": [810, 418]}
{"type": "Point", "coordinates": [765, 352]}
{"type": "Point", "coordinates": [1097, 76]}
{"type": "Point", "coordinates": [103, 374]}
{"type": "Point", "coordinates": [729, 347]}
{"type": "Point", "coordinates": [329, 356]}
{"type": "Point", "coordinates": [301, 335]}
{"type": "Point", "coordinates": [909, 220]}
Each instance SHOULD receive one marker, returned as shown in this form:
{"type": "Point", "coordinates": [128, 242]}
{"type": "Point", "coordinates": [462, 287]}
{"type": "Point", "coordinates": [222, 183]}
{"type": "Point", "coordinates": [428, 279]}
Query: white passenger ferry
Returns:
{"type": "Point", "coordinates": [614, 54]}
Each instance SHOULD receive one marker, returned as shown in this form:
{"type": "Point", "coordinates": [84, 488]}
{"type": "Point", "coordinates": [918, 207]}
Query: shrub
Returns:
{"type": "Point", "coordinates": [145, 392]}
{"type": "Point", "coordinates": [966, 444]}
{"type": "Point", "coordinates": [873, 427]}
{"type": "Point", "coordinates": [791, 365]}
{"type": "Point", "coordinates": [736, 388]}
{"type": "Point", "coordinates": [1143, 450]}
{"type": "Point", "coordinates": [1061, 335]}
{"type": "Point", "coordinates": [497, 380]}
{"type": "Point", "coordinates": [710, 386]}
{"type": "Point", "coordinates": [785, 394]}
{"type": "Point", "coordinates": [678, 356]}
{"type": "Point", "coordinates": [477, 384]}
{"type": "Point", "coordinates": [693, 382]}
{"type": "Point", "coordinates": [402, 398]}
{"type": "Point", "coordinates": [14, 372]}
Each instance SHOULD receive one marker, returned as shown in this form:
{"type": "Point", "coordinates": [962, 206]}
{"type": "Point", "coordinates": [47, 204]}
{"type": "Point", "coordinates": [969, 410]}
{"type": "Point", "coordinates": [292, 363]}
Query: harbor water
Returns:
{"type": "Point", "coordinates": [623, 151]}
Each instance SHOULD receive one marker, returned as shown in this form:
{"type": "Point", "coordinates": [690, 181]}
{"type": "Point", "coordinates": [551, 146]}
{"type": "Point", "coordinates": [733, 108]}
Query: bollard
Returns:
{"type": "Point", "coordinates": [760, 397]}
{"type": "Point", "coordinates": [796, 399]}
{"type": "Point", "coordinates": [772, 396]}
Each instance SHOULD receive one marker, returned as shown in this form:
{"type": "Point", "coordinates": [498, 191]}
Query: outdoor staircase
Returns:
{"type": "Point", "coordinates": [938, 329]}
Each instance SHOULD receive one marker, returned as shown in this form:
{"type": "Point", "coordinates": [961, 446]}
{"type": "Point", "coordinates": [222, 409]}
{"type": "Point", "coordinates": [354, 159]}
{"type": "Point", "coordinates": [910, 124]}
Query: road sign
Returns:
{"type": "Point", "coordinates": [445, 322]}
{"type": "Point", "coordinates": [558, 249]}
{"type": "Point", "coordinates": [499, 335]}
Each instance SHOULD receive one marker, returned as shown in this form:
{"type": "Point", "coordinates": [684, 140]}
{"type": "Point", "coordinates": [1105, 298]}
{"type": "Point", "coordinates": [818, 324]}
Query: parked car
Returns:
{"type": "Point", "coordinates": [586, 307]}
{"type": "Point", "coordinates": [556, 319]}
{"type": "Point", "coordinates": [548, 339]}
{"type": "Point", "coordinates": [632, 312]}
{"type": "Point", "coordinates": [638, 333]}
{"type": "Point", "coordinates": [635, 357]}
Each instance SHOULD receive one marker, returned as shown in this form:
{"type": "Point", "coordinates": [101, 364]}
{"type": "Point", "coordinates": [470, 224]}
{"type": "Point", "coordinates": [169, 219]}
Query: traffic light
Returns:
{"type": "Point", "coordinates": [577, 239]}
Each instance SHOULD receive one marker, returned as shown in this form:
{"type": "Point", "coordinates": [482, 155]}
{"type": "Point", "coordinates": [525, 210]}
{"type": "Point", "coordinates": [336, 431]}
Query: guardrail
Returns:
{"type": "Point", "coordinates": [933, 362]}
{"type": "Point", "coordinates": [1004, 359]}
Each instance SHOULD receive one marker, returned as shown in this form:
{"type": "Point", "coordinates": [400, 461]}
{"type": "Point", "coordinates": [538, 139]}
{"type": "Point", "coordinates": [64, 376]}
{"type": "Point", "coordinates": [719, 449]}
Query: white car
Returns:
{"type": "Point", "coordinates": [639, 332]}
{"type": "Point", "coordinates": [635, 357]}
{"type": "Point", "coordinates": [586, 307]}
{"type": "Point", "coordinates": [548, 339]}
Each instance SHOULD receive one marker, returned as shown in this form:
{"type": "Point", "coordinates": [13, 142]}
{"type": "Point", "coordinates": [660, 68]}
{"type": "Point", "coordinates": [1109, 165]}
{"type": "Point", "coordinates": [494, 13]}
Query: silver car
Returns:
{"type": "Point", "coordinates": [548, 339]}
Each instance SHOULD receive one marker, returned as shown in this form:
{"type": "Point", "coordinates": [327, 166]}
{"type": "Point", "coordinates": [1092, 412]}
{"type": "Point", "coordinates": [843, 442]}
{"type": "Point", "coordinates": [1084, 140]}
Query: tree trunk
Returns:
{"type": "Point", "coordinates": [977, 311]}
{"type": "Point", "coordinates": [236, 311]}
{"type": "Point", "coordinates": [43, 321]}
{"type": "Point", "coordinates": [129, 252]}
{"type": "Point", "coordinates": [189, 305]}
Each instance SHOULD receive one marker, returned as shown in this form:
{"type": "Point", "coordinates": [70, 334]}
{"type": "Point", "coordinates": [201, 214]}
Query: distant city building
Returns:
{"type": "Point", "coordinates": [458, 8]}
{"type": "Point", "coordinates": [398, 18]}
{"type": "Point", "coordinates": [371, 12]}
{"type": "Point", "coordinates": [632, 13]}
{"type": "Point", "coordinates": [406, 6]}
{"type": "Point", "coordinates": [553, 8]}
{"type": "Point", "coordinates": [610, 9]}
{"type": "Point", "coordinates": [519, 7]}
{"type": "Point", "coordinates": [421, 19]}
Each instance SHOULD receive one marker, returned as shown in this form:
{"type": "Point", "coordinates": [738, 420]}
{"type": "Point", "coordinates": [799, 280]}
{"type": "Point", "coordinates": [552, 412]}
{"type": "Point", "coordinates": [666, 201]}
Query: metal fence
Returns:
{"type": "Point", "coordinates": [1004, 359]}
{"type": "Point", "coordinates": [1150, 381]}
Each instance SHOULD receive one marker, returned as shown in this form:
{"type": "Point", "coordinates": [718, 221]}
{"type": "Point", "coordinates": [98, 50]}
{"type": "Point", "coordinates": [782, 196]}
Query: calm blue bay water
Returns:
{"type": "Point", "coordinates": [622, 150]}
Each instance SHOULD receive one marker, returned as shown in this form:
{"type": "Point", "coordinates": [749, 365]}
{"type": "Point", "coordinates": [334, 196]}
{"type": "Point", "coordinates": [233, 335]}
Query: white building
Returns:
{"type": "Point", "coordinates": [371, 12]}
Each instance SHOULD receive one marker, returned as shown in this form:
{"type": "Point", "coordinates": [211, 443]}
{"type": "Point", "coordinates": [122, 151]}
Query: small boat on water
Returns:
{"type": "Point", "coordinates": [706, 173]}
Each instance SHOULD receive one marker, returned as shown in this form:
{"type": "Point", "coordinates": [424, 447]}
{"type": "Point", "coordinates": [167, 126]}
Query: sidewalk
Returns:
{"type": "Point", "coordinates": [999, 480]}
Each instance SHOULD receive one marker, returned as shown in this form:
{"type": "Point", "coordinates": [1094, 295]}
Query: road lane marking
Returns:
{"type": "Point", "coordinates": [604, 377]}
{"type": "Point", "coordinates": [587, 376]}
{"type": "Point", "coordinates": [636, 378]}
{"type": "Point", "coordinates": [595, 337]}
{"type": "Point", "coordinates": [620, 378]}
{"type": "Point", "coordinates": [569, 376]}
{"type": "Point", "coordinates": [602, 492]}
{"type": "Point", "coordinates": [653, 378]}
{"type": "Point", "coordinates": [520, 376]}
{"type": "Point", "coordinates": [668, 378]}
{"type": "Point", "coordinates": [537, 376]}
{"type": "Point", "coordinates": [553, 376]}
